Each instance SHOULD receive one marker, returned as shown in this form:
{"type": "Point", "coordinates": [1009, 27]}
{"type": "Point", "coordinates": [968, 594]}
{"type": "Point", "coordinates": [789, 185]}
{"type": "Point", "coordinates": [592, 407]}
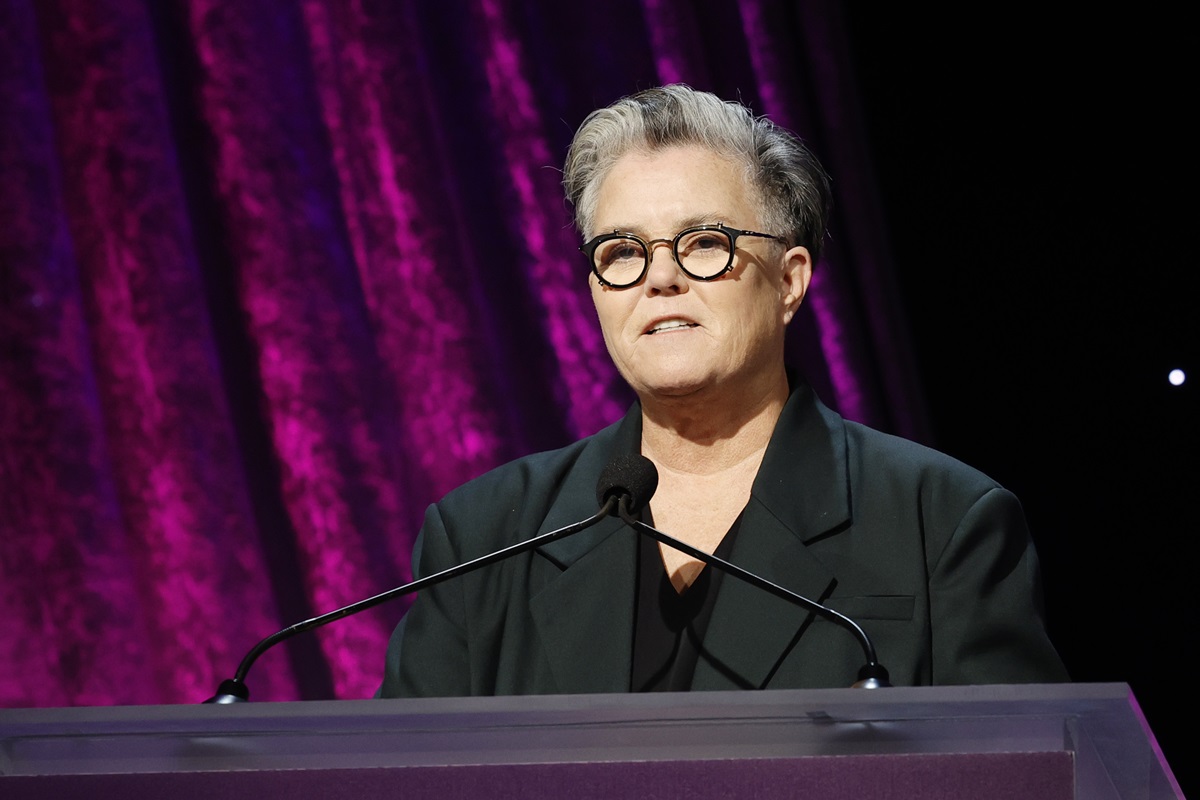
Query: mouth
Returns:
{"type": "Point", "coordinates": [666, 325]}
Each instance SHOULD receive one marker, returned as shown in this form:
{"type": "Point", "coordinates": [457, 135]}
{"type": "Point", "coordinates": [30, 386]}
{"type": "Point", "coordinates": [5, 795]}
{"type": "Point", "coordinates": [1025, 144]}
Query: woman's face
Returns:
{"type": "Point", "coordinates": [672, 336]}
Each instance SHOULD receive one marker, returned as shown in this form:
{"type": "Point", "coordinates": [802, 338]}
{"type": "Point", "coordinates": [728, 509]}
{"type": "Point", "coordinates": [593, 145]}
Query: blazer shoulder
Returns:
{"type": "Point", "coordinates": [531, 472]}
{"type": "Point", "coordinates": [881, 454]}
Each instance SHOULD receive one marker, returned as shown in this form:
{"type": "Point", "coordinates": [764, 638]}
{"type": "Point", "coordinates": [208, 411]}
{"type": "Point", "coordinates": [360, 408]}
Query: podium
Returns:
{"type": "Point", "coordinates": [980, 742]}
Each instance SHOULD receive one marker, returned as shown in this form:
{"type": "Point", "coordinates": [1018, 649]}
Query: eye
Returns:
{"type": "Point", "coordinates": [618, 252]}
{"type": "Point", "coordinates": [704, 244]}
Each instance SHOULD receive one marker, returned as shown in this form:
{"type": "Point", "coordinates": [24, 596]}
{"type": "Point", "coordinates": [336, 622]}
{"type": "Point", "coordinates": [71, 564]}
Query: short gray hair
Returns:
{"type": "Point", "coordinates": [792, 186]}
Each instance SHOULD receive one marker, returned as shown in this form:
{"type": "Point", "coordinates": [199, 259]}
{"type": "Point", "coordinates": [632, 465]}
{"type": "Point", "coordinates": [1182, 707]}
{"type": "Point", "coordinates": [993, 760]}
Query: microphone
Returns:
{"type": "Point", "coordinates": [631, 478]}
{"type": "Point", "coordinates": [639, 471]}
{"type": "Point", "coordinates": [620, 483]}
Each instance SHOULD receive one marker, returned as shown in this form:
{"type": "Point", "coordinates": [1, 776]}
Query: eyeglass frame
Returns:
{"type": "Point", "coordinates": [589, 249]}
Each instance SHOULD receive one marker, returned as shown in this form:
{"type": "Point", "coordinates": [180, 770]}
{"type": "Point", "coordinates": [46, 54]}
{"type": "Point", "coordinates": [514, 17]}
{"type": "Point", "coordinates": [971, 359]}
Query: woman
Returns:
{"type": "Point", "coordinates": [702, 225]}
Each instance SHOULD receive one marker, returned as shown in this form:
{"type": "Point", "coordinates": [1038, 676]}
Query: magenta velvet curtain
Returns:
{"type": "Point", "coordinates": [277, 275]}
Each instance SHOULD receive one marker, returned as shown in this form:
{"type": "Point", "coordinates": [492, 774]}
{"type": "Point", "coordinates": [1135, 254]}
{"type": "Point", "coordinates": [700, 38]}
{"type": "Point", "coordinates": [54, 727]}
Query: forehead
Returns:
{"type": "Point", "coordinates": [649, 191]}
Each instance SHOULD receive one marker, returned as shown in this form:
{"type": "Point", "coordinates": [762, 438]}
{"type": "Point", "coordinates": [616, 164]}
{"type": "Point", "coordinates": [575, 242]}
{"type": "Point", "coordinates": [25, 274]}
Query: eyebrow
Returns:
{"type": "Point", "coordinates": [690, 222]}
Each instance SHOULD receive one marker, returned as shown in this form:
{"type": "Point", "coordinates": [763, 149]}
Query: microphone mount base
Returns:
{"type": "Point", "coordinates": [230, 691]}
{"type": "Point", "coordinates": [872, 676]}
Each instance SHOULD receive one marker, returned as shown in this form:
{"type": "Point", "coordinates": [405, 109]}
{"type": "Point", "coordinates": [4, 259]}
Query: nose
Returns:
{"type": "Point", "coordinates": [663, 275]}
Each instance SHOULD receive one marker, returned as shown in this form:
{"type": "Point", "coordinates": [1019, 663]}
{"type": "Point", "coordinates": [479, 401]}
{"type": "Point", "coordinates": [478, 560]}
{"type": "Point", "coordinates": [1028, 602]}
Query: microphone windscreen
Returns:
{"type": "Point", "coordinates": [632, 475]}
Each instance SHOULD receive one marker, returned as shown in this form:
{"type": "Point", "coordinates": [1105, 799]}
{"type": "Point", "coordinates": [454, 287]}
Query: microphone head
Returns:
{"type": "Point", "coordinates": [631, 475]}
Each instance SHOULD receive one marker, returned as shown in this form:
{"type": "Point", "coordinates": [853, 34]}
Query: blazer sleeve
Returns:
{"type": "Point", "coordinates": [986, 602]}
{"type": "Point", "coordinates": [427, 654]}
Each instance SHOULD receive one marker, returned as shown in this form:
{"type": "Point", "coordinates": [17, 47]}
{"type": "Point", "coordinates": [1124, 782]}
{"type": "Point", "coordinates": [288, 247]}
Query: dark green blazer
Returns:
{"type": "Point", "coordinates": [930, 556]}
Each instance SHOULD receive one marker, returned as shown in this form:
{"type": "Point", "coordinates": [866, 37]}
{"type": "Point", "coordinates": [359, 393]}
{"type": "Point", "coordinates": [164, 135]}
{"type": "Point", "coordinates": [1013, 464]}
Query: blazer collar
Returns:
{"type": "Point", "coordinates": [576, 497]}
{"type": "Point", "coordinates": [804, 480]}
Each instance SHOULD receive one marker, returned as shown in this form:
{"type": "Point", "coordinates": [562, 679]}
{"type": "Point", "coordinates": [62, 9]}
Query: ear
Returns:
{"type": "Point", "coordinates": [797, 273]}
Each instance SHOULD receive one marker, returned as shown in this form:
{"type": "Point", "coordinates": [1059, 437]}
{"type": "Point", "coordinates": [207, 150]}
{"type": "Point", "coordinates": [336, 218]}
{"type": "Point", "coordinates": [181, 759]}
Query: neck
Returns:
{"type": "Point", "coordinates": [713, 431]}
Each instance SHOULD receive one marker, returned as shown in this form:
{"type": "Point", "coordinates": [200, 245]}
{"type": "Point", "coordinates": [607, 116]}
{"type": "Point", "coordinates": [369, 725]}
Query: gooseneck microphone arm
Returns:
{"type": "Point", "coordinates": [871, 676]}
{"type": "Point", "coordinates": [234, 690]}
{"type": "Point", "coordinates": [625, 487]}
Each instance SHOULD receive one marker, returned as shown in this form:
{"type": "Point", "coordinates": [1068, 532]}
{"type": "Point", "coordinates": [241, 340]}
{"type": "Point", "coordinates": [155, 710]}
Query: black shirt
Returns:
{"type": "Point", "coordinates": [669, 626]}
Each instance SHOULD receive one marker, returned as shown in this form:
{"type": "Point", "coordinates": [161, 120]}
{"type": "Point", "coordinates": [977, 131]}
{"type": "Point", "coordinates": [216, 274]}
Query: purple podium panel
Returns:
{"type": "Point", "coordinates": [985, 742]}
{"type": "Point", "coordinates": [1046, 776]}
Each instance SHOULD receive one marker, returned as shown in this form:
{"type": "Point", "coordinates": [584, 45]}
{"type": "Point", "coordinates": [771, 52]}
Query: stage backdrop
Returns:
{"type": "Point", "coordinates": [278, 275]}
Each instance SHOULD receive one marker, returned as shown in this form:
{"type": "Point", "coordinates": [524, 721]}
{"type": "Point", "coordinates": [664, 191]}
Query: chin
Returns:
{"type": "Point", "coordinates": [677, 385]}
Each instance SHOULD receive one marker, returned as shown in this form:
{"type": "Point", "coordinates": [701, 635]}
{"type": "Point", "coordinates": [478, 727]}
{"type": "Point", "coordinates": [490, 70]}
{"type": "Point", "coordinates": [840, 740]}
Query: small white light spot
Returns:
{"type": "Point", "coordinates": [1176, 377]}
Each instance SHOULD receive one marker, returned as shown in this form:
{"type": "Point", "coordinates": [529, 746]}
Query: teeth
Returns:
{"type": "Point", "coordinates": [671, 325]}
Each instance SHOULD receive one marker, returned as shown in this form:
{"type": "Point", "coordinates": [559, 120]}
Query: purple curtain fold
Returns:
{"type": "Point", "coordinates": [132, 544]}
{"type": "Point", "coordinates": [278, 275]}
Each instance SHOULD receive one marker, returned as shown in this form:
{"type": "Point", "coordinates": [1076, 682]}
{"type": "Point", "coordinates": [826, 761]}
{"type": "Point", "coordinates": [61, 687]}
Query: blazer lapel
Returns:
{"type": "Point", "coordinates": [751, 630]}
{"type": "Point", "coordinates": [584, 614]}
{"type": "Point", "coordinates": [584, 617]}
{"type": "Point", "coordinates": [801, 492]}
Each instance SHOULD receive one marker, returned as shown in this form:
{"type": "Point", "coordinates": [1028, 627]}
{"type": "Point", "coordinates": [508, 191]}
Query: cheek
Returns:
{"type": "Point", "coordinates": [760, 319]}
{"type": "Point", "coordinates": [599, 301]}
{"type": "Point", "coordinates": [610, 312]}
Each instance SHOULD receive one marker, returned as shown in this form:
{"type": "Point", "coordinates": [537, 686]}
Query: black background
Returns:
{"type": "Point", "coordinates": [1039, 176]}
